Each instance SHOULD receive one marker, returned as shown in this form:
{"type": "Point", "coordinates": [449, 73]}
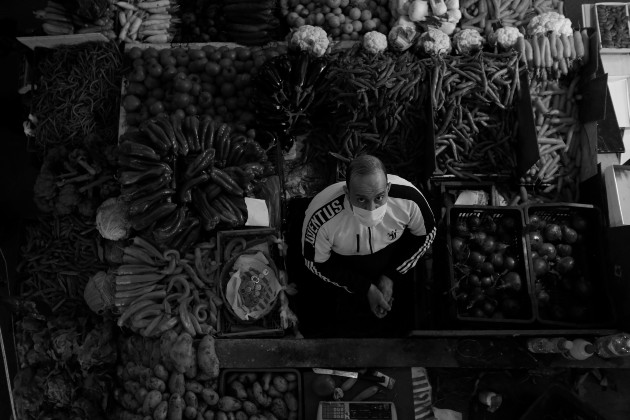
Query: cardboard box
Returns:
{"type": "Point", "coordinates": [617, 181]}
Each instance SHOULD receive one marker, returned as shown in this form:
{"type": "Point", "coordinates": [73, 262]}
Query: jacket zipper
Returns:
{"type": "Point", "coordinates": [370, 239]}
{"type": "Point", "coordinates": [358, 242]}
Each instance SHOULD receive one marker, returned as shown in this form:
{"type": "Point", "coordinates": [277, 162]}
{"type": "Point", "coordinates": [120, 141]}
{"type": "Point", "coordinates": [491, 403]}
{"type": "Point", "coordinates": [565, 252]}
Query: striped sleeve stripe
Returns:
{"type": "Point", "coordinates": [411, 262]}
{"type": "Point", "coordinates": [311, 266]}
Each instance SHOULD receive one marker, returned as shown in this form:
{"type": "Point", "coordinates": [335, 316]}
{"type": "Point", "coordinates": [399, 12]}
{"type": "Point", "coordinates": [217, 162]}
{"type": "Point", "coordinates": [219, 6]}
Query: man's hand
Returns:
{"type": "Point", "coordinates": [378, 303]}
{"type": "Point", "coordinates": [386, 286]}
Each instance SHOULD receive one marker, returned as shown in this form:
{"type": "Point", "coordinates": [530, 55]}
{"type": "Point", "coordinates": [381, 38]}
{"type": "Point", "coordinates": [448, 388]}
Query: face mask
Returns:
{"type": "Point", "coordinates": [370, 218]}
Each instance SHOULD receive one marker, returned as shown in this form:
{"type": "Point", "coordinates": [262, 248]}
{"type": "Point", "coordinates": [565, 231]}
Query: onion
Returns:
{"type": "Point", "coordinates": [535, 240]}
{"type": "Point", "coordinates": [512, 281]}
{"type": "Point", "coordinates": [565, 265]}
{"type": "Point", "coordinates": [548, 250]}
{"type": "Point", "coordinates": [569, 235]}
{"type": "Point", "coordinates": [487, 268]}
{"type": "Point", "coordinates": [478, 238]}
{"type": "Point", "coordinates": [553, 233]}
{"type": "Point", "coordinates": [497, 260]}
{"type": "Point", "coordinates": [461, 229]}
{"type": "Point", "coordinates": [459, 249]}
{"type": "Point", "coordinates": [509, 263]}
{"type": "Point", "coordinates": [476, 259]}
{"type": "Point", "coordinates": [540, 267]}
{"type": "Point", "coordinates": [474, 223]}
{"type": "Point", "coordinates": [488, 245]}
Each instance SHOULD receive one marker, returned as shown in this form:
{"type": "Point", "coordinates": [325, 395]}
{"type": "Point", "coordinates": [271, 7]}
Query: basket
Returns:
{"type": "Point", "coordinates": [557, 402]}
{"type": "Point", "coordinates": [228, 374]}
{"type": "Point", "coordinates": [225, 278]}
{"type": "Point", "coordinates": [595, 309]}
{"type": "Point", "coordinates": [514, 238]}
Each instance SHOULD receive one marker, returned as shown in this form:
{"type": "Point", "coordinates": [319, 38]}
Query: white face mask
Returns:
{"type": "Point", "coordinates": [370, 218]}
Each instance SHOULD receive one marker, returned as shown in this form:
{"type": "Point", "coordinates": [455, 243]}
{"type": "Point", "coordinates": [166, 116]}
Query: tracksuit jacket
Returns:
{"type": "Point", "coordinates": [341, 251]}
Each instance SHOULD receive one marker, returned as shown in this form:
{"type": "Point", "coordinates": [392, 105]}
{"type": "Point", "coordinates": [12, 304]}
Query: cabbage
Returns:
{"type": "Point", "coordinates": [111, 219]}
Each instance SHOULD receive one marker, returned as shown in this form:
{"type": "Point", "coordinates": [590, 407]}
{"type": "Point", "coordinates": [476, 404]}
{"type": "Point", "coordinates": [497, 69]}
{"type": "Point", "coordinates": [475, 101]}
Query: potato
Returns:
{"type": "Point", "coordinates": [221, 416]}
{"type": "Point", "coordinates": [279, 408]}
{"type": "Point", "coordinates": [228, 404]}
{"type": "Point", "coordinates": [190, 398]}
{"type": "Point", "coordinates": [194, 386]}
{"type": "Point", "coordinates": [131, 386]}
{"type": "Point", "coordinates": [161, 372]}
{"type": "Point", "coordinates": [128, 401]}
{"type": "Point", "coordinates": [182, 352]}
{"type": "Point", "coordinates": [273, 392]}
{"type": "Point", "coordinates": [237, 389]}
{"type": "Point", "coordinates": [250, 408]}
{"type": "Point", "coordinates": [177, 383]}
{"type": "Point", "coordinates": [270, 416]}
{"type": "Point", "coordinates": [161, 411]}
{"type": "Point", "coordinates": [199, 416]}
{"type": "Point", "coordinates": [175, 407]}
{"type": "Point", "coordinates": [190, 413]}
{"type": "Point", "coordinates": [291, 401]}
{"type": "Point", "coordinates": [209, 415]}
{"type": "Point", "coordinates": [207, 359]}
{"type": "Point", "coordinates": [210, 396]}
{"type": "Point", "coordinates": [231, 416]}
{"type": "Point", "coordinates": [147, 418]}
{"type": "Point", "coordinates": [152, 400]}
{"type": "Point", "coordinates": [166, 396]}
{"type": "Point", "coordinates": [259, 396]}
{"type": "Point", "coordinates": [266, 381]}
{"type": "Point", "coordinates": [202, 406]}
{"type": "Point", "coordinates": [293, 415]}
{"type": "Point", "coordinates": [280, 383]}
{"type": "Point", "coordinates": [247, 378]}
{"type": "Point", "coordinates": [191, 372]}
{"type": "Point", "coordinates": [233, 377]}
{"type": "Point", "coordinates": [290, 377]}
{"type": "Point", "coordinates": [292, 386]}
{"type": "Point", "coordinates": [141, 394]}
{"type": "Point", "coordinates": [167, 340]}
{"type": "Point", "coordinates": [240, 415]}
{"type": "Point", "coordinates": [156, 383]}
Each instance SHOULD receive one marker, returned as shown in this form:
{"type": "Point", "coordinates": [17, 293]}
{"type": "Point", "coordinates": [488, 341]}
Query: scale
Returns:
{"type": "Point", "coordinates": [356, 410]}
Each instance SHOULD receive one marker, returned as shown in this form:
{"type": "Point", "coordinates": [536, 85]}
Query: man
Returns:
{"type": "Point", "coordinates": [365, 235]}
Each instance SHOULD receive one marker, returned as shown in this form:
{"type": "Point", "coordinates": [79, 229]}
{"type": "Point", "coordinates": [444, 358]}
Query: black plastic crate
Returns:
{"type": "Point", "coordinates": [558, 402]}
{"type": "Point", "coordinates": [580, 297]}
{"type": "Point", "coordinates": [510, 231]}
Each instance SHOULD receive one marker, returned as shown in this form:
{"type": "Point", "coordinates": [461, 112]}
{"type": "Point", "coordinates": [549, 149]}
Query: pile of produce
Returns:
{"type": "Point", "coordinates": [212, 81]}
{"type": "Point", "coordinates": [199, 20]}
{"type": "Point", "coordinates": [179, 177]}
{"type": "Point", "coordinates": [342, 19]}
{"type": "Point", "coordinates": [173, 377]}
{"type": "Point", "coordinates": [58, 258]}
{"type": "Point", "coordinates": [66, 365]}
{"type": "Point", "coordinates": [555, 106]}
{"type": "Point", "coordinates": [76, 180]}
{"type": "Point", "coordinates": [552, 55]}
{"type": "Point", "coordinates": [612, 22]}
{"type": "Point", "coordinates": [564, 256]}
{"type": "Point", "coordinates": [77, 94]}
{"type": "Point", "coordinates": [475, 128]}
{"type": "Point", "coordinates": [249, 22]}
{"type": "Point", "coordinates": [488, 259]}
{"type": "Point", "coordinates": [481, 14]}
{"type": "Point", "coordinates": [150, 21]}
{"type": "Point", "coordinates": [64, 17]}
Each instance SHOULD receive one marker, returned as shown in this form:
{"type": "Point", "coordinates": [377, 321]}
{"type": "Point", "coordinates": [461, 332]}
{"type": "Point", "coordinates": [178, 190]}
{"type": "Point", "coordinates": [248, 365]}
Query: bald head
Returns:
{"type": "Point", "coordinates": [364, 165]}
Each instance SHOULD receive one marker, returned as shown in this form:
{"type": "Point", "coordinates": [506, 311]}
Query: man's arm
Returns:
{"type": "Point", "coordinates": [418, 236]}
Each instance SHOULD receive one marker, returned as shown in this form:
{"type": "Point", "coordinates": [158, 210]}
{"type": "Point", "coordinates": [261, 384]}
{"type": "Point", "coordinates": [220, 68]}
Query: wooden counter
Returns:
{"type": "Point", "coordinates": [452, 352]}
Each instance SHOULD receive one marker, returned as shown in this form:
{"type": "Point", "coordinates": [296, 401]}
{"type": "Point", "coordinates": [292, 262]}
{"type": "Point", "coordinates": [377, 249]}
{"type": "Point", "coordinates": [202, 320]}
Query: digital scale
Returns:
{"type": "Point", "coordinates": [356, 410]}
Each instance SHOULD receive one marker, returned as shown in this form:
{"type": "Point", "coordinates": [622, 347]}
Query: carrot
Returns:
{"type": "Point", "coordinates": [548, 59]}
{"type": "Point", "coordinates": [158, 39]}
{"type": "Point", "coordinates": [559, 48]}
{"type": "Point", "coordinates": [520, 47]}
{"type": "Point", "coordinates": [154, 4]}
{"type": "Point", "coordinates": [572, 45]}
{"type": "Point", "coordinates": [587, 45]}
{"type": "Point", "coordinates": [536, 56]}
{"type": "Point", "coordinates": [564, 68]}
{"type": "Point", "coordinates": [566, 45]}
{"type": "Point", "coordinates": [553, 41]}
{"type": "Point", "coordinates": [135, 25]}
{"type": "Point", "coordinates": [579, 46]}
{"type": "Point", "coordinates": [529, 54]}
{"type": "Point", "coordinates": [125, 30]}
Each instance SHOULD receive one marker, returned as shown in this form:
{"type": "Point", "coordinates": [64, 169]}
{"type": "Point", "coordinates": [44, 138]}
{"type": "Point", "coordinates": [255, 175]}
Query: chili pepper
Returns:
{"type": "Point", "coordinates": [192, 237]}
{"type": "Point", "coordinates": [204, 124]}
{"type": "Point", "coordinates": [184, 148]}
{"type": "Point", "coordinates": [133, 148]}
{"type": "Point", "coordinates": [184, 317]}
{"type": "Point", "coordinates": [171, 226]}
{"type": "Point", "coordinates": [185, 191]}
{"type": "Point", "coordinates": [156, 135]}
{"type": "Point", "coordinates": [141, 204]}
{"type": "Point", "coordinates": [209, 220]}
{"type": "Point", "coordinates": [191, 126]}
{"type": "Point", "coordinates": [168, 130]}
{"type": "Point", "coordinates": [222, 179]}
{"type": "Point", "coordinates": [202, 162]}
{"type": "Point", "coordinates": [132, 177]}
{"type": "Point", "coordinates": [157, 212]}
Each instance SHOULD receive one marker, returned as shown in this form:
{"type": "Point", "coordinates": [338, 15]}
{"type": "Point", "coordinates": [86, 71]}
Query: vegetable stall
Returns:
{"type": "Point", "coordinates": [174, 152]}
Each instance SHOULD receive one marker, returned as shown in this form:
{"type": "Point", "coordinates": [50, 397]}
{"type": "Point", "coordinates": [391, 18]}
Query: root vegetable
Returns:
{"type": "Point", "coordinates": [207, 359]}
{"type": "Point", "coordinates": [182, 352]}
{"type": "Point", "coordinates": [228, 404]}
{"type": "Point", "coordinates": [177, 383]}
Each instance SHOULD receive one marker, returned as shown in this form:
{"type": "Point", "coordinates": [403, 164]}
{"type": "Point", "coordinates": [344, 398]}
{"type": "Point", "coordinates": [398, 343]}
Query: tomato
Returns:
{"type": "Point", "coordinates": [134, 53]}
{"type": "Point", "coordinates": [219, 80]}
{"type": "Point", "coordinates": [182, 85]}
{"type": "Point", "coordinates": [215, 56]}
{"type": "Point", "coordinates": [138, 62]}
{"type": "Point", "coordinates": [239, 66]}
{"type": "Point", "coordinates": [243, 54]}
{"type": "Point", "coordinates": [192, 110]}
{"type": "Point", "coordinates": [194, 78]}
{"type": "Point", "coordinates": [225, 62]}
{"type": "Point", "coordinates": [168, 61]}
{"type": "Point", "coordinates": [229, 74]}
{"type": "Point", "coordinates": [198, 66]}
{"type": "Point", "coordinates": [259, 61]}
{"type": "Point", "coordinates": [137, 88]}
{"type": "Point", "coordinates": [156, 108]}
{"type": "Point", "coordinates": [151, 60]}
{"type": "Point", "coordinates": [137, 75]}
{"type": "Point", "coordinates": [182, 59]}
{"type": "Point", "coordinates": [242, 80]}
{"type": "Point", "coordinates": [227, 90]}
{"type": "Point", "coordinates": [248, 65]}
{"type": "Point", "coordinates": [133, 119]}
{"type": "Point", "coordinates": [157, 93]}
{"type": "Point", "coordinates": [155, 69]}
{"type": "Point", "coordinates": [229, 54]}
{"type": "Point", "coordinates": [205, 99]}
{"type": "Point", "coordinates": [213, 89]}
{"type": "Point", "coordinates": [213, 68]}
{"type": "Point", "coordinates": [223, 49]}
{"type": "Point", "coordinates": [150, 52]}
{"type": "Point", "coordinates": [218, 101]}
{"type": "Point", "coordinates": [131, 103]}
{"type": "Point", "coordinates": [196, 88]}
{"type": "Point", "coordinates": [231, 103]}
{"type": "Point", "coordinates": [196, 54]}
{"type": "Point", "coordinates": [208, 49]}
{"type": "Point", "coordinates": [241, 102]}
{"type": "Point", "coordinates": [168, 73]}
{"type": "Point", "coordinates": [205, 78]}
{"type": "Point", "coordinates": [179, 113]}
{"type": "Point", "coordinates": [181, 75]}
{"type": "Point", "coordinates": [149, 101]}
{"type": "Point", "coordinates": [181, 100]}
{"type": "Point", "coordinates": [151, 82]}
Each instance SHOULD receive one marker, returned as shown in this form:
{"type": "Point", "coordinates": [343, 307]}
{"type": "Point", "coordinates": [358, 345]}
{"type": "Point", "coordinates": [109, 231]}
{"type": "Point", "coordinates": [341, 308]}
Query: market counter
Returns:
{"type": "Point", "coordinates": [508, 353]}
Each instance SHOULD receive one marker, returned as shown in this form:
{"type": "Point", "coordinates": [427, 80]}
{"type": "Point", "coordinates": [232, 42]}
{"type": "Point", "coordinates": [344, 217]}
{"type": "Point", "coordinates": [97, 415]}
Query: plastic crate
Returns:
{"type": "Point", "coordinates": [515, 239]}
{"type": "Point", "coordinates": [226, 374]}
{"type": "Point", "coordinates": [557, 402]}
{"type": "Point", "coordinates": [589, 261]}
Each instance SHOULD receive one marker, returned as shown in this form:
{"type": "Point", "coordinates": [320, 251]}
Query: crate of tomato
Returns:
{"type": "Point", "coordinates": [489, 274]}
{"type": "Point", "coordinates": [565, 245]}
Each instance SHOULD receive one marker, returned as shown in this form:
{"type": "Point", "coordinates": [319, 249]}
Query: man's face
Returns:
{"type": "Point", "coordinates": [369, 191]}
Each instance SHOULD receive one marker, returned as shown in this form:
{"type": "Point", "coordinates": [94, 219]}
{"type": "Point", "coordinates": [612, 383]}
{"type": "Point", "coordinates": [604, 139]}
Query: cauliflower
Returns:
{"type": "Point", "coordinates": [402, 35]}
{"type": "Point", "coordinates": [468, 41]}
{"type": "Point", "coordinates": [312, 39]}
{"type": "Point", "coordinates": [435, 42]}
{"type": "Point", "coordinates": [67, 200]}
{"type": "Point", "coordinates": [507, 36]}
{"type": "Point", "coordinates": [418, 10]}
{"type": "Point", "coordinates": [374, 42]}
{"type": "Point", "coordinates": [550, 21]}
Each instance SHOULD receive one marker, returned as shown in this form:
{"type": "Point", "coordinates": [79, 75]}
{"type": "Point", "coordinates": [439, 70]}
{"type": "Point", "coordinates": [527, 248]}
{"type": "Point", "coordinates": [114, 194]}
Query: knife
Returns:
{"type": "Point", "coordinates": [347, 374]}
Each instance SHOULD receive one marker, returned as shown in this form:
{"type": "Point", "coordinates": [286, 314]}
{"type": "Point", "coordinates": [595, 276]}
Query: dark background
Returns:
{"type": "Point", "coordinates": [18, 169]}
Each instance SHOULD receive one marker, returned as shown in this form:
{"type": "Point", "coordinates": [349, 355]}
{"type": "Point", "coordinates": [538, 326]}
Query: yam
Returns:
{"type": "Point", "coordinates": [175, 407]}
{"type": "Point", "coordinates": [182, 352]}
{"type": "Point", "coordinates": [161, 411]}
{"type": "Point", "coordinates": [273, 392]}
{"type": "Point", "coordinates": [238, 390]}
{"type": "Point", "coordinates": [141, 394]}
{"type": "Point", "coordinates": [250, 408]}
{"type": "Point", "coordinates": [151, 401]}
{"type": "Point", "coordinates": [194, 386]}
{"type": "Point", "coordinates": [210, 396]}
{"type": "Point", "coordinates": [190, 398]}
{"type": "Point", "coordinates": [177, 383]}
{"type": "Point", "coordinates": [209, 415]}
{"type": "Point", "coordinates": [240, 415]}
{"type": "Point", "coordinates": [291, 401]}
{"type": "Point", "coordinates": [155, 383]}
{"type": "Point", "coordinates": [131, 386]}
{"type": "Point", "coordinates": [279, 408]}
{"type": "Point", "coordinates": [290, 377]}
{"type": "Point", "coordinates": [220, 415]}
{"type": "Point", "coordinates": [167, 340]}
{"type": "Point", "coordinates": [207, 359]}
{"type": "Point", "coordinates": [191, 372]}
{"type": "Point", "coordinates": [190, 413]}
{"type": "Point", "coordinates": [280, 383]}
{"type": "Point", "coordinates": [247, 378]}
{"type": "Point", "coordinates": [160, 372]}
{"type": "Point", "coordinates": [229, 404]}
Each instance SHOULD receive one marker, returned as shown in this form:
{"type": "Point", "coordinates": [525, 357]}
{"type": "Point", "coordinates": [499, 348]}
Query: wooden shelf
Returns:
{"type": "Point", "coordinates": [478, 352]}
